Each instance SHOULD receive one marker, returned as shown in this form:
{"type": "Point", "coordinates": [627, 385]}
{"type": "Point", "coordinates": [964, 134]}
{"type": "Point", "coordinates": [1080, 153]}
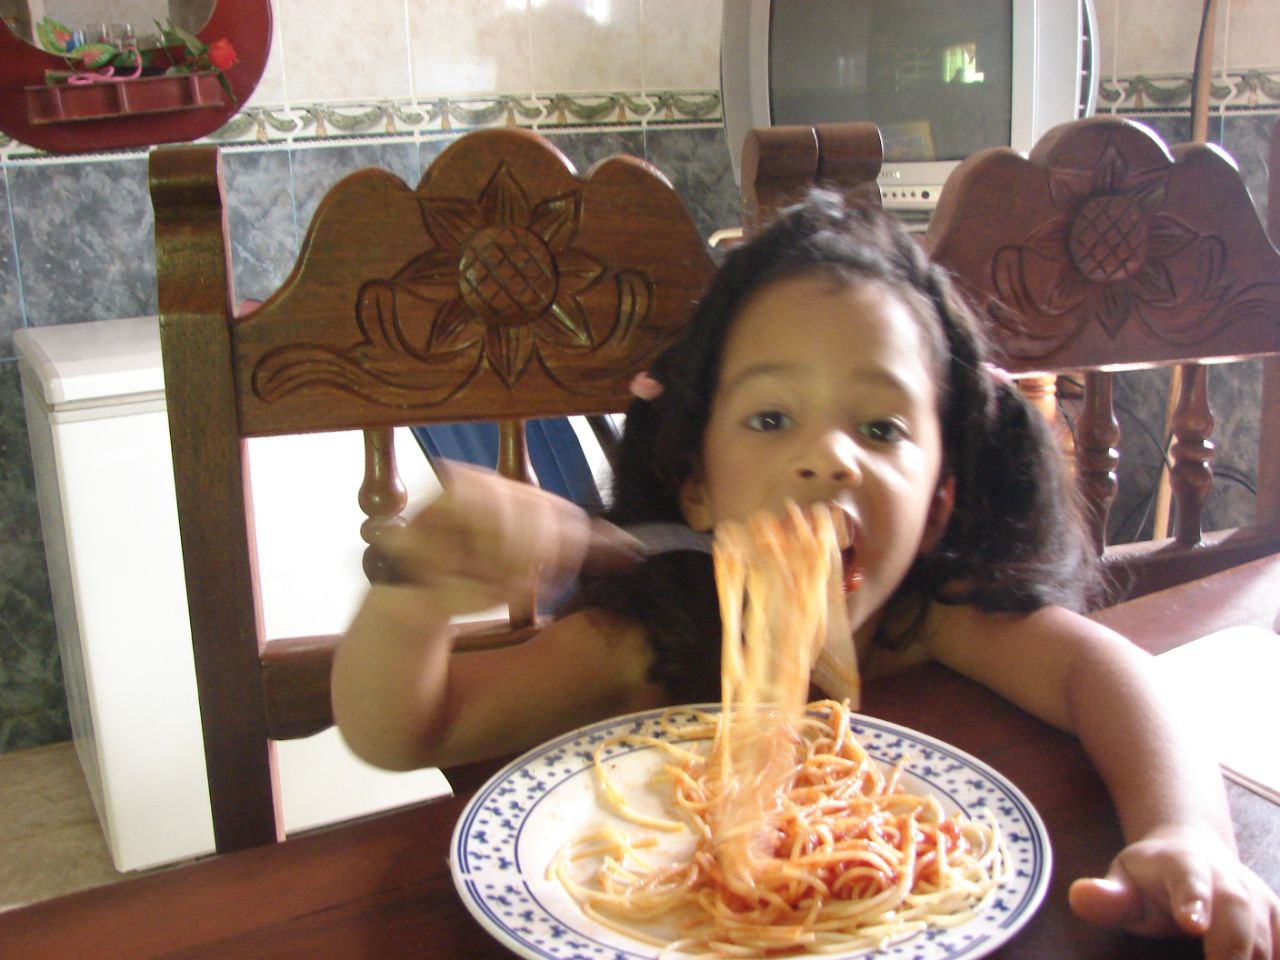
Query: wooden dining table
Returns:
{"type": "Point", "coordinates": [381, 887]}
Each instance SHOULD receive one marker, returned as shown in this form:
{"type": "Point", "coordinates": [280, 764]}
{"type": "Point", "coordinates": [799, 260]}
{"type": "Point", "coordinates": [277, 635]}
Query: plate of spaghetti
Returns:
{"type": "Point", "coordinates": [761, 826]}
{"type": "Point", "coordinates": [529, 851]}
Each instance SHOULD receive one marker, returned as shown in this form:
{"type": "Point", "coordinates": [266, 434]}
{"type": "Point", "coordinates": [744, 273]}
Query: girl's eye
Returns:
{"type": "Point", "coordinates": [767, 421]}
{"type": "Point", "coordinates": [883, 431]}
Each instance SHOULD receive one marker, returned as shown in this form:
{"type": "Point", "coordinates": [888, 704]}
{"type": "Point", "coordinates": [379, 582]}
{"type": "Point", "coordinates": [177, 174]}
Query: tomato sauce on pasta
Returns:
{"type": "Point", "coordinates": [803, 843]}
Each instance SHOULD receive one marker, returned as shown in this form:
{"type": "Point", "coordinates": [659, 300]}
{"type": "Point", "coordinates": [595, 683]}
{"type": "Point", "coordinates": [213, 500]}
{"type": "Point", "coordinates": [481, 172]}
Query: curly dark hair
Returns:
{"type": "Point", "coordinates": [1015, 540]}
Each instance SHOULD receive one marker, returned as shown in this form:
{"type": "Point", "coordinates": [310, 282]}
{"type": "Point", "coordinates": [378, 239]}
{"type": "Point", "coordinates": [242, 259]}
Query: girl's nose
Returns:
{"type": "Point", "coordinates": [830, 459]}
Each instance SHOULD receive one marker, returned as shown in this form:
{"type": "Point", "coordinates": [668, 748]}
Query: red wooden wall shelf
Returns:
{"type": "Point", "coordinates": [59, 103]}
{"type": "Point", "coordinates": [145, 111]}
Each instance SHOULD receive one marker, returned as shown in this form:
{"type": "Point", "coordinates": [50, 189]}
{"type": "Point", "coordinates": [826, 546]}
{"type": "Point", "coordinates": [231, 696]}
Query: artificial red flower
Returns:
{"type": "Point", "coordinates": [222, 54]}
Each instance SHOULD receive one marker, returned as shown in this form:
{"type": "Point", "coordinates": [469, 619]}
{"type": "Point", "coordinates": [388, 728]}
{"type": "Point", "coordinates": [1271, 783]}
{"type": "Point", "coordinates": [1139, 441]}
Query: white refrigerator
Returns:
{"type": "Point", "coordinates": [94, 395]}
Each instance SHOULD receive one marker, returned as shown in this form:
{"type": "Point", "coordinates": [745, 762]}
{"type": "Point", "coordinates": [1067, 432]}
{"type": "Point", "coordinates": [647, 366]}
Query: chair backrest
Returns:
{"type": "Point", "coordinates": [1102, 251]}
{"type": "Point", "coordinates": [780, 164]}
{"type": "Point", "coordinates": [503, 287]}
{"type": "Point", "coordinates": [1105, 250]}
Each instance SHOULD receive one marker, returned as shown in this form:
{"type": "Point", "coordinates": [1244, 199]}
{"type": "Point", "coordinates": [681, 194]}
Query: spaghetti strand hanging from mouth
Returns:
{"type": "Point", "coordinates": [802, 842]}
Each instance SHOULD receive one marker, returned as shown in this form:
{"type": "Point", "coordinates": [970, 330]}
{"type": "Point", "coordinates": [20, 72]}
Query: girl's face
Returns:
{"type": "Point", "coordinates": [827, 395]}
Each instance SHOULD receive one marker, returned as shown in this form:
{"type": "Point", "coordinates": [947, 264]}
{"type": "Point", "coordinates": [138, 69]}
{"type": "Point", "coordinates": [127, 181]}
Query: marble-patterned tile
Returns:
{"type": "Point", "coordinates": [428, 150]}
{"type": "Point", "coordinates": [10, 289]}
{"type": "Point", "coordinates": [460, 47]}
{"type": "Point", "coordinates": [585, 149]}
{"type": "Point", "coordinates": [1140, 398]}
{"type": "Point", "coordinates": [586, 46]}
{"type": "Point", "coordinates": [1235, 396]}
{"type": "Point", "coordinates": [335, 50]}
{"type": "Point", "coordinates": [1141, 401]}
{"type": "Point", "coordinates": [19, 517]}
{"type": "Point", "coordinates": [1159, 37]}
{"type": "Point", "coordinates": [260, 216]}
{"type": "Point", "coordinates": [33, 707]}
{"type": "Point", "coordinates": [317, 168]}
{"type": "Point", "coordinates": [1253, 39]}
{"type": "Point", "coordinates": [271, 90]}
{"type": "Point", "coordinates": [1176, 128]}
{"type": "Point", "coordinates": [681, 45]}
{"type": "Point", "coordinates": [1247, 137]}
{"type": "Point", "coordinates": [84, 239]}
{"type": "Point", "coordinates": [696, 161]}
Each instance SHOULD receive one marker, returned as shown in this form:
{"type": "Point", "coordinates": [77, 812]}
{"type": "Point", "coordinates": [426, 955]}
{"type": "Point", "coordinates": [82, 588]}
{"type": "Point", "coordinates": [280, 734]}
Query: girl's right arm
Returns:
{"type": "Point", "coordinates": [403, 698]}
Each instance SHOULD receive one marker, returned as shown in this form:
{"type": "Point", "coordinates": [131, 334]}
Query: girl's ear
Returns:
{"type": "Point", "coordinates": [695, 505]}
{"type": "Point", "coordinates": [935, 523]}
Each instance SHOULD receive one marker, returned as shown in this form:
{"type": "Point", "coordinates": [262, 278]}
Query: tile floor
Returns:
{"type": "Point", "coordinates": [50, 839]}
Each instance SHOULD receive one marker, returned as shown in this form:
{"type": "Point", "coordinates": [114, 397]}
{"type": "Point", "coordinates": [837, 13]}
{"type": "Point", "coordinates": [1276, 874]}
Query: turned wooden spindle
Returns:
{"type": "Point", "coordinates": [1097, 433]}
{"type": "Point", "coordinates": [1191, 475]}
{"type": "Point", "coordinates": [382, 498]}
{"type": "Point", "coordinates": [1041, 391]}
{"type": "Point", "coordinates": [513, 463]}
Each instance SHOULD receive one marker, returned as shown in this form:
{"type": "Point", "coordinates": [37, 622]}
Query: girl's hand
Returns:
{"type": "Point", "coordinates": [486, 539]}
{"type": "Point", "coordinates": [1190, 882]}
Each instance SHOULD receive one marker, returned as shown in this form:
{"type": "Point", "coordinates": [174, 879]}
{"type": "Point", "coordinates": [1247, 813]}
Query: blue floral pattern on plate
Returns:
{"type": "Point", "coordinates": [511, 830]}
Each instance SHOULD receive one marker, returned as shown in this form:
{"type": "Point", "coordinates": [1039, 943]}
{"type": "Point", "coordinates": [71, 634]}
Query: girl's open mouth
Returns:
{"type": "Point", "coordinates": [849, 537]}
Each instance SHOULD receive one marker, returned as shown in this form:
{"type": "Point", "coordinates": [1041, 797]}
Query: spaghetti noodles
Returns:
{"type": "Point", "coordinates": [801, 842]}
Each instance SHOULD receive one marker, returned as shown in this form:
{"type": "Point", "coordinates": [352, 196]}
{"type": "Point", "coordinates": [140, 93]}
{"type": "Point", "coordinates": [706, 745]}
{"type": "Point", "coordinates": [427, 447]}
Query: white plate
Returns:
{"type": "Point", "coordinates": [517, 822]}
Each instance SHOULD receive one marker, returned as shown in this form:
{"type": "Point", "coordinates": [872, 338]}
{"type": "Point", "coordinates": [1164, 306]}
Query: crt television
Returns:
{"type": "Point", "coordinates": [941, 78]}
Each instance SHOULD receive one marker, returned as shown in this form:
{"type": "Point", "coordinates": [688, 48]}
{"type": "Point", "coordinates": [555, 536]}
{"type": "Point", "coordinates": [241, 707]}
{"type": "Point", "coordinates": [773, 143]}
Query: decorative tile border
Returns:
{"type": "Point", "coordinates": [1243, 90]}
{"type": "Point", "coordinates": [399, 118]}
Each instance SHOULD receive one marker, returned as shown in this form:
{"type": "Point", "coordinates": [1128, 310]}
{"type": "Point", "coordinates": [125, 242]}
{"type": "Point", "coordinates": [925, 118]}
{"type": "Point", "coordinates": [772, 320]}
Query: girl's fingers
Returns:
{"type": "Point", "coordinates": [1112, 901]}
{"type": "Point", "coordinates": [1190, 891]}
{"type": "Point", "coordinates": [485, 528]}
{"type": "Point", "coordinates": [1234, 930]}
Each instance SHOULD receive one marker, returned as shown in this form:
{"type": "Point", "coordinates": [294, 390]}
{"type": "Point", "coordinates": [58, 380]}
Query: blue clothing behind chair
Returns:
{"type": "Point", "coordinates": [554, 451]}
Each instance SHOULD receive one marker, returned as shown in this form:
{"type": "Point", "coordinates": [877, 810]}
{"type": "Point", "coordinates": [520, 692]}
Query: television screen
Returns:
{"type": "Point", "coordinates": [935, 76]}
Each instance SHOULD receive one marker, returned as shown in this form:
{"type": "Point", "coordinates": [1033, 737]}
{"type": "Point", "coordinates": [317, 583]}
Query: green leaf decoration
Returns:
{"type": "Point", "coordinates": [126, 59]}
{"type": "Point", "coordinates": [45, 31]}
{"type": "Point", "coordinates": [93, 55]}
{"type": "Point", "coordinates": [226, 86]}
{"type": "Point", "coordinates": [188, 40]}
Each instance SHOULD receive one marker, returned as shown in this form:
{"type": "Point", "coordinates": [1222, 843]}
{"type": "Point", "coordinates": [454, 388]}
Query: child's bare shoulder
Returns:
{"type": "Point", "coordinates": [963, 625]}
{"type": "Point", "coordinates": [595, 633]}
{"type": "Point", "coordinates": [594, 654]}
{"type": "Point", "coordinates": [576, 670]}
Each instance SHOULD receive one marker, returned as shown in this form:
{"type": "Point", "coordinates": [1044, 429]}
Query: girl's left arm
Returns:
{"type": "Point", "coordinates": [1179, 870]}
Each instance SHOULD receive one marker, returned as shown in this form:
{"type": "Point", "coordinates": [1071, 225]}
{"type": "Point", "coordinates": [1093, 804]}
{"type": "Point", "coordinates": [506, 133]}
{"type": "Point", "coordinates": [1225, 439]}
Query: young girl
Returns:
{"type": "Point", "coordinates": [829, 363]}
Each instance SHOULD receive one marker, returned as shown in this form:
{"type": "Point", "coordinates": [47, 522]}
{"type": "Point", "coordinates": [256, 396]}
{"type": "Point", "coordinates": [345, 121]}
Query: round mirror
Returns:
{"type": "Point", "coordinates": [108, 21]}
{"type": "Point", "coordinates": [127, 73]}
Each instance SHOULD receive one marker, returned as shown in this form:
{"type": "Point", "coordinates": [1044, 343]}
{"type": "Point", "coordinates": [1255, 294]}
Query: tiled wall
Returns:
{"type": "Point", "coordinates": [382, 82]}
{"type": "Point", "coordinates": [389, 82]}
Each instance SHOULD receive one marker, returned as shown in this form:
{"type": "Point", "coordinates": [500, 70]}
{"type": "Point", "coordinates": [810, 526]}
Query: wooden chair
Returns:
{"type": "Point", "coordinates": [1103, 251]}
{"type": "Point", "coordinates": [780, 164]}
{"type": "Point", "coordinates": [503, 287]}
